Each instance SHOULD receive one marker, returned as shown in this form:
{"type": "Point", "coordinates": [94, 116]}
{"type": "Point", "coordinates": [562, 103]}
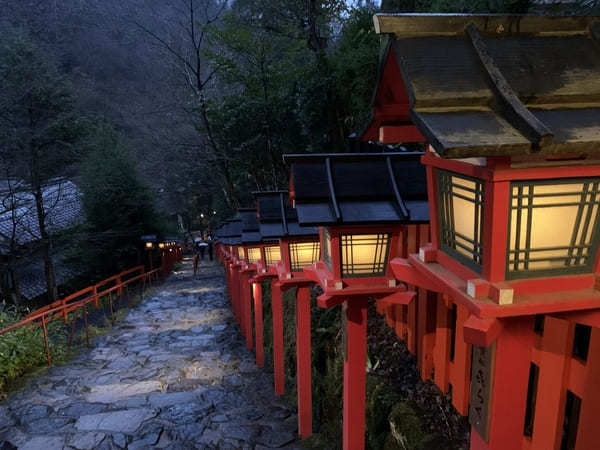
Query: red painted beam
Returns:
{"type": "Point", "coordinates": [399, 298]}
{"type": "Point", "coordinates": [398, 134]}
{"type": "Point", "coordinates": [590, 318]}
{"type": "Point", "coordinates": [481, 332]}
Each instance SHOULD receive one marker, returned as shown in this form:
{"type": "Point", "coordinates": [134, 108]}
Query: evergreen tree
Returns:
{"type": "Point", "coordinates": [118, 206]}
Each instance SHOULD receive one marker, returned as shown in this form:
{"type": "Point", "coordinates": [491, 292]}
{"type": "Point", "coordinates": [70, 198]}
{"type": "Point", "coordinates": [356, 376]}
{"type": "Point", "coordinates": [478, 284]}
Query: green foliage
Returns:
{"type": "Point", "coordinates": [118, 207]}
{"type": "Point", "coordinates": [381, 398]}
{"type": "Point", "coordinates": [406, 429]}
{"type": "Point", "coordinates": [283, 91]}
{"type": "Point", "coordinates": [38, 123]}
{"type": "Point", "coordinates": [23, 349]}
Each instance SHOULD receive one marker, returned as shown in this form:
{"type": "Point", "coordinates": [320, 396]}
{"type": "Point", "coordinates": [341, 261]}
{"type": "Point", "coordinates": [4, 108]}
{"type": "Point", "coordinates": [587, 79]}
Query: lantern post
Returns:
{"type": "Point", "coordinates": [231, 237]}
{"type": "Point", "coordinates": [513, 179]}
{"type": "Point", "coordinates": [298, 247]}
{"type": "Point", "coordinates": [252, 248]}
{"type": "Point", "coordinates": [149, 242]}
{"type": "Point", "coordinates": [361, 202]}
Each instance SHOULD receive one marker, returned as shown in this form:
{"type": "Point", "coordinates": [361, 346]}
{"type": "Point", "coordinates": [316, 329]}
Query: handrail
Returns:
{"type": "Point", "coordinates": [61, 308]}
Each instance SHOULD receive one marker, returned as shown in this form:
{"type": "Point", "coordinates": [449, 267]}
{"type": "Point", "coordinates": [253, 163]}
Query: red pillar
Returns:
{"type": "Point", "coordinates": [508, 388]}
{"type": "Point", "coordinates": [245, 297]}
{"type": "Point", "coordinates": [553, 375]}
{"type": "Point", "coordinates": [355, 315]}
{"type": "Point", "coordinates": [278, 349]}
{"type": "Point", "coordinates": [426, 332]}
{"type": "Point", "coordinates": [303, 361]}
{"type": "Point", "coordinates": [258, 323]}
{"type": "Point", "coordinates": [441, 351]}
{"type": "Point", "coordinates": [239, 298]}
{"type": "Point", "coordinates": [234, 294]}
{"type": "Point", "coordinates": [588, 436]}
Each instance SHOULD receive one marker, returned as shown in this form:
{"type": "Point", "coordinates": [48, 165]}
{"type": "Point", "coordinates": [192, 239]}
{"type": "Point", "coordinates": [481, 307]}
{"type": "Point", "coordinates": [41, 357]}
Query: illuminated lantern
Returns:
{"type": "Point", "coordinates": [508, 107]}
{"type": "Point", "coordinates": [149, 241]}
{"type": "Point", "coordinates": [363, 204]}
{"type": "Point", "coordinates": [298, 247]}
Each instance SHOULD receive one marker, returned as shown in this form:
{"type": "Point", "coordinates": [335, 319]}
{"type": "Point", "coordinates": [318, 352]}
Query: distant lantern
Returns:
{"type": "Point", "coordinates": [362, 203]}
{"type": "Point", "coordinates": [149, 245]}
{"type": "Point", "coordinates": [161, 245]}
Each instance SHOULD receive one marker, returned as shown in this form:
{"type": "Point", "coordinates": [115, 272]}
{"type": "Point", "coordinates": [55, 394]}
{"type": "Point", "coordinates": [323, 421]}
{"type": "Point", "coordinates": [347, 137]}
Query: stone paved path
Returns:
{"type": "Point", "coordinates": [174, 374]}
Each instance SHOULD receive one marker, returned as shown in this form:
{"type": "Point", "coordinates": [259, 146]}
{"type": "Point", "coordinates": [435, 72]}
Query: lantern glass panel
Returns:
{"type": "Point", "coordinates": [149, 245]}
{"type": "Point", "coordinates": [460, 201]}
{"type": "Point", "coordinates": [254, 255]}
{"type": "Point", "coordinates": [241, 253]}
{"type": "Point", "coordinates": [303, 254]}
{"type": "Point", "coordinates": [553, 227]}
{"type": "Point", "coordinates": [364, 254]}
{"type": "Point", "coordinates": [272, 255]}
{"type": "Point", "coordinates": [327, 248]}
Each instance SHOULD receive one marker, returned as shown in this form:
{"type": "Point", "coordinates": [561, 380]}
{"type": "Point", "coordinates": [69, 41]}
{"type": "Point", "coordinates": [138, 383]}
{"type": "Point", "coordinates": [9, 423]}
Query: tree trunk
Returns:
{"type": "Point", "coordinates": [49, 273]}
{"type": "Point", "coordinates": [12, 272]}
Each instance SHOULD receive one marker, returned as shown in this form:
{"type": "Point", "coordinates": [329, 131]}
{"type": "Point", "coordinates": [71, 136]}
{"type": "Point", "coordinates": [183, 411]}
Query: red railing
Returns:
{"type": "Point", "coordinates": [79, 300]}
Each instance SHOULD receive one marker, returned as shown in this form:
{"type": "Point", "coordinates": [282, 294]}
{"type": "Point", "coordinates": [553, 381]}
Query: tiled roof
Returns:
{"type": "Point", "coordinates": [354, 188]}
{"type": "Point", "coordinates": [18, 215]}
{"type": "Point", "coordinates": [499, 85]}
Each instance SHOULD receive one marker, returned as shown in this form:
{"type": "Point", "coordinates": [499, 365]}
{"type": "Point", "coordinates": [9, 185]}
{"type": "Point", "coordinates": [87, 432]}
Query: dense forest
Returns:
{"type": "Point", "coordinates": [174, 111]}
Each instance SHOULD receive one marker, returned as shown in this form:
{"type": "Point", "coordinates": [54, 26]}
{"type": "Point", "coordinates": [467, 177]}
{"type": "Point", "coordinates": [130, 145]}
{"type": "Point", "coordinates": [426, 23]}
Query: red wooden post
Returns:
{"type": "Point", "coordinates": [245, 298]}
{"type": "Point", "coordinates": [355, 318]}
{"type": "Point", "coordinates": [258, 323]}
{"type": "Point", "coordinates": [509, 388]}
{"type": "Point", "coordinates": [461, 372]}
{"type": "Point", "coordinates": [278, 349]}
{"type": "Point", "coordinates": [303, 361]}
{"type": "Point", "coordinates": [588, 435]}
{"type": "Point", "coordinates": [426, 328]}
{"type": "Point", "coordinates": [554, 356]}
{"type": "Point", "coordinates": [239, 300]}
{"type": "Point", "coordinates": [441, 351]}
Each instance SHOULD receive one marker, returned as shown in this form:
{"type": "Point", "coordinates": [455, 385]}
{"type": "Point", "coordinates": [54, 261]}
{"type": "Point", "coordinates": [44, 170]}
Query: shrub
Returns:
{"type": "Point", "coordinates": [22, 349]}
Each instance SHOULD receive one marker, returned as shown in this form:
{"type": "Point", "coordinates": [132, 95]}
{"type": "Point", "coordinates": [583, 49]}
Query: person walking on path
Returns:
{"type": "Point", "coordinates": [210, 248]}
{"type": "Point", "coordinates": [196, 259]}
{"type": "Point", "coordinates": [201, 244]}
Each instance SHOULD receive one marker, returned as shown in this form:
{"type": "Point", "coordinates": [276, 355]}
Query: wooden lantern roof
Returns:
{"type": "Point", "coordinates": [277, 218]}
{"type": "Point", "coordinates": [250, 229]}
{"type": "Point", "coordinates": [490, 85]}
{"type": "Point", "coordinates": [231, 232]}
{"type": "Point", "coordinates": [356, 189]}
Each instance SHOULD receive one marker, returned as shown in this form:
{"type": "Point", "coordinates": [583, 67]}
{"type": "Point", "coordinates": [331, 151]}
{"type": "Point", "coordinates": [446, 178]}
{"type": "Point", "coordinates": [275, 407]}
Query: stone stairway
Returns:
{"type": "Point", "coordinates": [173, 374]}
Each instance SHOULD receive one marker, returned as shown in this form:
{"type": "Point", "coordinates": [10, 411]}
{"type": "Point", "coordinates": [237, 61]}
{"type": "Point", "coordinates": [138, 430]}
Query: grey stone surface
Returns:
{"type": "Point", "coordinates": [44, 443]}
{"type": "Point", "coordinates": [124, 421]}
{"type": "Point", "coordinates": [173, 374]}
{"type": "Point", "coordinates": [83, 441]}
